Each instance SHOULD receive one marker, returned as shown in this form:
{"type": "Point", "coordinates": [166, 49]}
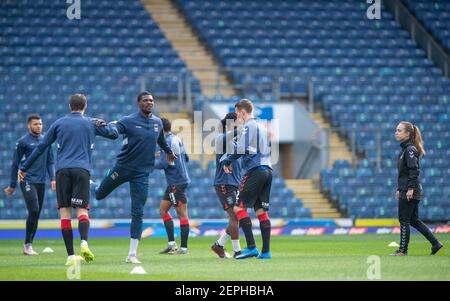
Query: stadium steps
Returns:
{"type": "Point", "coordinates": [184, 40]}
{"type": "Point", "coordinates": [173, 116]}
{"type": "Point", "coordinates": [339, 149]}
{"type": "Point", "coordinates": [312, 198]}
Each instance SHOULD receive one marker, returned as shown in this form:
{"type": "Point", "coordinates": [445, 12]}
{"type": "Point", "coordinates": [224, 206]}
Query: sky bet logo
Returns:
{"type": "Point", "coordinates": [265, 113]}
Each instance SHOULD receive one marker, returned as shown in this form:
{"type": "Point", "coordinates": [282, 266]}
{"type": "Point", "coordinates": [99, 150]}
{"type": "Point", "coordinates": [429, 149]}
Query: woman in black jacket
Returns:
{"type": "Point", "coordinates": [409, 189]}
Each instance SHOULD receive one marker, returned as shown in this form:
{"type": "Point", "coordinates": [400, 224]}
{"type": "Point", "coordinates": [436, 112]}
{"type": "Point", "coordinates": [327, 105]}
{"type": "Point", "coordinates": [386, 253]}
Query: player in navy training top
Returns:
{"type": "Point", "coordinates": [74, 135]}
{"type": "Point", "coordinates": [254, 148]}
{"type": "Point", "coordinates": [178, 180]}
{"type": "Point", "coordinates": [227, 184]}
{"type": "Point", "coordinates": [33, 186]}
{"type": "Point", "coordinates": [141, 131]}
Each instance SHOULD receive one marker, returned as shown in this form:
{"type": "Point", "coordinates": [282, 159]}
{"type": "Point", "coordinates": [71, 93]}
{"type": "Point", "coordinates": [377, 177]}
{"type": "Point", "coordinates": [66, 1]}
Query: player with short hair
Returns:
{"type": "Point", "coordinates": [141, 132]}
{"type": "Point", "coordinates": [226, 185]}
{"type": "Point", "coordinates": [254, 148]}
{"type": "Point", "coordinates": [33, 186]}
{"type": "Point", "coordinates": [75, 136]}
{"type": "Point", "coordinates": [178, 180]}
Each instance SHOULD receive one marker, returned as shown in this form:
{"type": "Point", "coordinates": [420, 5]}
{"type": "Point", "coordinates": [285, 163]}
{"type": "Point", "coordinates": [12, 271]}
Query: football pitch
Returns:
{"type": "Point", "coordinates": [294, 258]}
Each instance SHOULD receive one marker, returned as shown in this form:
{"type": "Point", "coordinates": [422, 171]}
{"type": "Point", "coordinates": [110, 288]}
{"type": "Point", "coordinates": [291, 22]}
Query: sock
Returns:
{"type": "Point", "coordinates": [223, 239]}
{"type": "Point", "coordinates": [246, 224]}
{"type": "Point", "coordinates": [168, 224]}
{"type": "Point", "coordinates": [184, 229]}
{"type": "Point", "coordinates": [265, 226]}
{"type": "Point", "coordinates": [133, 246]}
{"type": "Point", "coordinates": [66, 230]}
{"type": "Point", "coordinates": [236, 245]}
{"type": "Point", "coordinates": [83, 226]}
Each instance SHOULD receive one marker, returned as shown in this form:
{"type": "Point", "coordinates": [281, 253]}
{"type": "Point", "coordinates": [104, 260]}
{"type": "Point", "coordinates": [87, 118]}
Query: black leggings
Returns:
{"type": "Point", "coordinates": [408, 214]}
{"type": "Point", "coordinates": [34, 198]}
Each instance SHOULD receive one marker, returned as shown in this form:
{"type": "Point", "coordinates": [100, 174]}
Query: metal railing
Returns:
{"type": "Point", "coordinates": [320, 146]}
{"type": "Point", "coordinates": [434, 51]}
{"type": "Point", "coordinates": [313, 150]}
{"type": "Point", "coordinates": [256, 82]}
{"type": "Point", "coordinates": [162, 81]}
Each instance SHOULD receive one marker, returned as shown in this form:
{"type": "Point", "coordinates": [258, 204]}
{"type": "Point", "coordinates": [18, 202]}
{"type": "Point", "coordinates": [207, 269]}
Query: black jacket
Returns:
{"type": "Point", "coordinates": [409, 170]}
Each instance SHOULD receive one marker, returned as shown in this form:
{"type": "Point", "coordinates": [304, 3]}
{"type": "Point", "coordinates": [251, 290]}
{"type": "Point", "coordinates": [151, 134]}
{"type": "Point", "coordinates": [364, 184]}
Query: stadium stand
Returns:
{"type": "Point", "coordinates": [435, 15]}
{"type": "Point", "coordinates": [45, 57]}
{"type": "Point", "coordinates": [368, 75]}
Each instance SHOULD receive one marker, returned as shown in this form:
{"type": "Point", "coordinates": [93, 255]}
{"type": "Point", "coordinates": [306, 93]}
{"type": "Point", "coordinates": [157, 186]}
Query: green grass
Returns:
{"type": "Point", "coordinates": [295, 258]}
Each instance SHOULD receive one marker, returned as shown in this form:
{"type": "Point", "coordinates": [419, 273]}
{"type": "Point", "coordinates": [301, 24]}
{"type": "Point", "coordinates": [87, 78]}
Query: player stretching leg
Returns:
{"type": "Point", "coordinates": [177, 181]}
{"type": "Point", "coordinates": [253, 147]}
{"type": "Point", "coordinates": [226, 185]}
{"type": "Point", "coordinates": [75, 135]}
{"type": "Point", "coordinates": [141, 132]}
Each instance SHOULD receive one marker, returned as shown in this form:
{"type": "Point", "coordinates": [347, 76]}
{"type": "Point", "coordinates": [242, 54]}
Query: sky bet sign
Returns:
{"type": "Point", "coordinates": [278, 118]}
{"type": "Point", "coordinates": [261, 112]}
{"type": "Point", "coordinates": [264, 115]}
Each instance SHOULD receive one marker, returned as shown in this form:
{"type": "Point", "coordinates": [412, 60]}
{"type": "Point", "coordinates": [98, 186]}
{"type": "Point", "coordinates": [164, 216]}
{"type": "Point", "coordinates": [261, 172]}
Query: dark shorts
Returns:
{"type": "Point", "coordinates": [254, 191]}
{"type": "Point", "coordinates": [72, 188]}
{"type": "Point", "coordinates": [176, 194]}
{"type": "Point", "coordinates": [227, 195]}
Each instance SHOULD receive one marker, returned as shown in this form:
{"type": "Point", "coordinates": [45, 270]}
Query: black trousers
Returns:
{"type": "Point", "coordinates": [34, 198]}
{"type": "Point", "coordinates": [408, 214]}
